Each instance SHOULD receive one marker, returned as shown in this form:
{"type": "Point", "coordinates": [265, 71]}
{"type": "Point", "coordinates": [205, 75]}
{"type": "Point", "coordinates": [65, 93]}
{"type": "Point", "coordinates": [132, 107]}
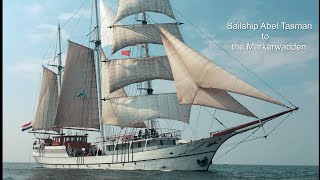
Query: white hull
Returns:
{"type": "Point", "coordinates": [195, 155]}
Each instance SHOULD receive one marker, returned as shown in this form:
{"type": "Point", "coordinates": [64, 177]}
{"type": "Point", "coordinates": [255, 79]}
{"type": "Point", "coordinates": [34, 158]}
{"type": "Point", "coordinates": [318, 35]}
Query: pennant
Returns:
{"type": "Point", "coordinates": [125, 52]}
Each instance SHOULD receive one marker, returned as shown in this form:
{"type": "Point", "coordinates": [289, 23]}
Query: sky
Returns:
{"type": "Point", "coordinates": [29, 38]}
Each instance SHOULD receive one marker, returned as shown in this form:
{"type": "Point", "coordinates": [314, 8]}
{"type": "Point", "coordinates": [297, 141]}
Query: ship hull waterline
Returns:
{"type": "Point", "coordinates": [196, 155]}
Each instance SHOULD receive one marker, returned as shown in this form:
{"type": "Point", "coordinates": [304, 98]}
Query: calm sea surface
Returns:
{"type": "Point", "coordinates": [34, 171]}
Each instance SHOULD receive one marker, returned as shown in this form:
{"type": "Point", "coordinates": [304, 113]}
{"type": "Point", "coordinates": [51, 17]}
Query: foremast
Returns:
{"type": "Point", "coordinates": [146, 54]}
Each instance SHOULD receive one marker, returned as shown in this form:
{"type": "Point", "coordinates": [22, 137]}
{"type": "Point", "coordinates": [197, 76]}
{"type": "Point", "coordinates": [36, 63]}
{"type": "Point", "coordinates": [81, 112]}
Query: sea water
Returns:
{"type": "Point", "coordinates": [216, 171]}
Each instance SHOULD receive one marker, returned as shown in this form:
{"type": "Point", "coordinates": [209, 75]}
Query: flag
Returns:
{"type": "Point", "coordinates": [26, 126]}
{"type": "Point", "coordinates": [125, 52]}
{"type": "Point", "coordinates": [81, 93]}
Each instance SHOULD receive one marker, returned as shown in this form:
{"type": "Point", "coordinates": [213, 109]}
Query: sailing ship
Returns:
{"type": "Point", "coordinates": [88, 94]}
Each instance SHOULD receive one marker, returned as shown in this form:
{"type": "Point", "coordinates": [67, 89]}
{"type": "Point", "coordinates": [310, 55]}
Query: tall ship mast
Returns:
{"type": "Point", "coordinates": [91, 94]}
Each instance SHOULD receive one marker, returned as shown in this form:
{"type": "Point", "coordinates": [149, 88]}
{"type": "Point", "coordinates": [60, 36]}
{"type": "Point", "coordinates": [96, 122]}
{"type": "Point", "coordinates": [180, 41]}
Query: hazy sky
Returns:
{"type": "Point", "coordinates": [30, 27]}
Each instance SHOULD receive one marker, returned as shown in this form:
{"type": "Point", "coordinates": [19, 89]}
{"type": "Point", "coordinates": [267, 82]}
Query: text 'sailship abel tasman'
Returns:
{"type": "Point", "coordinates": [114, 98]}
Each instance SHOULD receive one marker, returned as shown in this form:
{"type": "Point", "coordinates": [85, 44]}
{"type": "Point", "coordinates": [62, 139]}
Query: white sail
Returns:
{"type": "Point", "coordinates": [106, 20]}
{"type": "Point", "coordinates": [206, 74]}
{"type": "Point", "coordinates": [48, 101]}
{"type": "Point", "coordinates": [109, 116]}
{"type": "Point", "coordinates": [123, 72]}
{"type": "Point", "coordinates": [132, 110]}
{"type": "Point", "coordinates": [78, 101]}
{"type": "Point", "coordinates": [129, 35]}
{"type": "Point", "coordinates": [190, 93]}
{"type": "Point", "coordinates": [130, 7]}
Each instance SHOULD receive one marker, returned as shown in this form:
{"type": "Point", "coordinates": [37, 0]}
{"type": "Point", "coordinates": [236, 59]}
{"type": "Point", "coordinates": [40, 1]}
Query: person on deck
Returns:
{"type": "Point", "coordinates": [152, 132]}
{"type": "Point", "coordinates": [139, 134]}
{"type": "Point", "coordinates": [146, 133]}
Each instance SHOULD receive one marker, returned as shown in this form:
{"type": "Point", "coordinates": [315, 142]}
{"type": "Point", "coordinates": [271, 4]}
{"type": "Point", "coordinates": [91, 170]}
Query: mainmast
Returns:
{"type": "Point", "coordinates": [98, 61]}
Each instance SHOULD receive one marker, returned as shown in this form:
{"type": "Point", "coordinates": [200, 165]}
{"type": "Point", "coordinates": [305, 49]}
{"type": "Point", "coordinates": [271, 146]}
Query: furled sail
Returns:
{"type": "Point", "coordinates": [129, 35]}
{"type": "Point", "coordinates": [108, 114]}
{"type": "Point", "coordinates": [136, 109]}
{"type": "Point", "coordinates": [123, 72]}
{"type": "Point", "coordinates": [204, 73]}
{"type": "Point", "coordinates": [78, 101]}
{"type": "Point", "coordinates": [48, 101]}
{"type": "Point", "coordinates": [130, 7]}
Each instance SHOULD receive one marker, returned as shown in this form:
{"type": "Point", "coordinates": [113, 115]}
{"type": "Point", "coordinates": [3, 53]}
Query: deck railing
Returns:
{"type": "Point", "coordinates": [163, 132]}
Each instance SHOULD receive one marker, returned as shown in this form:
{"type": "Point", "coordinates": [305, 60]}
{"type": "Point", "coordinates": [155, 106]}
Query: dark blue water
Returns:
{"type": "Point", "coordinates": [34, 171]}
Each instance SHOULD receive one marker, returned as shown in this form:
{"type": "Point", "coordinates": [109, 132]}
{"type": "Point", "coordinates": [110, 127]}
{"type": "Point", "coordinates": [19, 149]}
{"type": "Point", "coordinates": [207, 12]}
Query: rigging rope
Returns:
{"type": "Point", "coordinates": [211, 40]}
{"type": "Point", "coordinates": [237, 144]}
{"type": "Point", "coordinates": [245, 139]}
{"type": "Point", "coordinates": [279, 124]}
{"type": "Point", "coordinates": [215, 118]}
{"type": "Point", "coordinates": [83, 11]}
{"type": "Point", "coordinates": [215, 110]}
{"type": "Point", "coordinates": [74, 13]}
{"type": "Point", "coordinates": [194, 132]}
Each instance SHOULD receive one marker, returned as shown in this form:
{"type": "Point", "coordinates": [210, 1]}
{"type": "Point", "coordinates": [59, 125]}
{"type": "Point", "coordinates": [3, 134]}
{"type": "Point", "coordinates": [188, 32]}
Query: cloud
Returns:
{"type": "Point", "coordinates": [28, 68]}
{"type": "Point", "coordinates": [66, 16]}
{"type": "Point", "coordinates": [44, 32]}
{"type": "Point", "coordinates": [86, 13]}
{"type": "Point", "coordinates": [34, 8]}
{"type": "Point", "coordinates": [247, 12]}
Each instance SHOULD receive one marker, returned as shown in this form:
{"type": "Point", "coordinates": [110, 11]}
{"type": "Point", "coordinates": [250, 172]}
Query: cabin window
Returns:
{"type": "Point", "coordinates": [174, 142]}
{"type": "Point", "coordinates": [139, 144]}
{"type": "Point", "coordinates": [123, 146]}
{"type": "Point", "coordinates": [110, 148]}
{"type": "Point", "coordinates": [117, 147]}
{"type": "Point", "coordinates": [67, 139]}
{"type": "Point", "coordinates": [161, 142]}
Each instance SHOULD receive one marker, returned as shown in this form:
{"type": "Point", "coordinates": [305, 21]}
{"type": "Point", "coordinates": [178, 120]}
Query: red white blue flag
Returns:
{"type": "Point", "coordinates": [26, 126]}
